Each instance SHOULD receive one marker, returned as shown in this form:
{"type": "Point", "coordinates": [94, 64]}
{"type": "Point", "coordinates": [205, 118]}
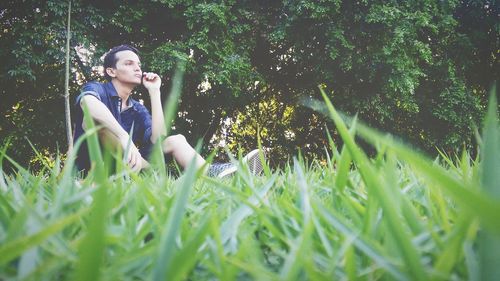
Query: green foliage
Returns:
{"type": "Point", "coordinates": [419, 69]}
{"type": "Point", "coordinates": [489, 244]}
{"type": "Point", "coordinates": [396, 216]}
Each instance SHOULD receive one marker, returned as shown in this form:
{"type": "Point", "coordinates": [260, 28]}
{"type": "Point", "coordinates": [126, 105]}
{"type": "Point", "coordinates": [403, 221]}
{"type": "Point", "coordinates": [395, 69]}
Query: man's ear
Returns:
{"type": "Point", "coordinates": [111, 72]}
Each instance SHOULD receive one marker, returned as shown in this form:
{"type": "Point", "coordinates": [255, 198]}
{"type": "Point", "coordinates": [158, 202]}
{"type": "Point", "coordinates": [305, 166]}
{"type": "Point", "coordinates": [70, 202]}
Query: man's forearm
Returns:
{"type": "Point", "coordinates": [101, 115]}
{"type": "Point", "coordinates": [158, 122]}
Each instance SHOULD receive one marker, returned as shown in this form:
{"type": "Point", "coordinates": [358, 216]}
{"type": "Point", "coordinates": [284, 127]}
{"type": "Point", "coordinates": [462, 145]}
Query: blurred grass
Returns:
{"type": "Point", "coordinates": [396, 216]}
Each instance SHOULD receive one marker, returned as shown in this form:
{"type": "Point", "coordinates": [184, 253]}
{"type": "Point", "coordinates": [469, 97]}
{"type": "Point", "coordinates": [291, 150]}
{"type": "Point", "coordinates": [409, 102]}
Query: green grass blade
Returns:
{"type": "Point", "coordinates": [229, 228]}
{"type": "Point", "coordinates": [267, 170]}
{"type": "Point", "coordinates": [301, 245]}
{"type": "Point", "coordinates": [169, 112]}
{"type": "Point", "coordinates": [175, 94]}
{"type": "Point", "coordinates": [489, 243]}
{"type": "Point", "coordinates": [185, 259]}
{"type": "Point", "coordinates": [453, 250]}
{"type": "Point", "coordinates": [91, 251]}
{"type": "Point", "coordinates": [93, 140]}
{"type": "Point", "coordinates": [361, 243]}
{"type": "Point", "coordinates": [464, 193]}
{"type": "Point", "coordinates": [15, 248]}
{"type": "Point", "coordinates": [408, 251]}
{"type": "Point", "coordinates": [170, 231]}
{"type": "Point", "coordinates": [350, 263]}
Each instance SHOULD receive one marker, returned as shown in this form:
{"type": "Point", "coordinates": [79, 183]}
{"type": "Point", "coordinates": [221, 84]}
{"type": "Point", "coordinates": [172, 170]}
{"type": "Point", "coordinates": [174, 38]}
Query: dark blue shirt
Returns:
{"type": "Point", "coordinates": [136, 114]}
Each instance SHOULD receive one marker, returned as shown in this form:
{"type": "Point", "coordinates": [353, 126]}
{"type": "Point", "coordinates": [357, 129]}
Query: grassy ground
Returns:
{"type": "Point", "coordinates": [396, 216]}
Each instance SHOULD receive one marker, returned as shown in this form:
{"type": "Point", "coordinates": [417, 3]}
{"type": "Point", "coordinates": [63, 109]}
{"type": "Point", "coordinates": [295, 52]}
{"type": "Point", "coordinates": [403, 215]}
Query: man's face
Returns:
{"type": "Point", "coordinates": [128, 68]}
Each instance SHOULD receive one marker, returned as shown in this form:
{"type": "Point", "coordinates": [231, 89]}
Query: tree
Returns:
{"type": "Point", "coordinates": [67, 110]}
{"type": "Point", "coordinates": [418, 69]}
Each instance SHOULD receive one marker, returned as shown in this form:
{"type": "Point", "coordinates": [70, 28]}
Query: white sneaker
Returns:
{"type": "Point", "coordinates": [252, 159]}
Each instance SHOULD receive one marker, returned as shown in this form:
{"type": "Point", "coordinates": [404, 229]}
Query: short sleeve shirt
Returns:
{"type": "Point", "coordinates": [136, 119]}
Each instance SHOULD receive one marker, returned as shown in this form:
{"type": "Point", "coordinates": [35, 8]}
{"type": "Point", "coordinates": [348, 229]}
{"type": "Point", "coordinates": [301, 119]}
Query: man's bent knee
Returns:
{"type": "Point", "coordinates": [175, 139]}
{"type": "Point", "coordinates": [108, 139]}
{"type": "Point", "coordinates": [171, 142]}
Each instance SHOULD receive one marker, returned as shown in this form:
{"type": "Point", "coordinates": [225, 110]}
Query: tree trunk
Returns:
{"type": "Point", "coordinates": [69, 133]}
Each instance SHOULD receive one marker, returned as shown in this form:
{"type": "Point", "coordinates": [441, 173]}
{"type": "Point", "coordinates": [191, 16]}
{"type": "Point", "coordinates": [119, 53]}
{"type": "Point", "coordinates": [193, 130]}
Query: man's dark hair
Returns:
{"type": "Point", "coordinates": [110, 58]}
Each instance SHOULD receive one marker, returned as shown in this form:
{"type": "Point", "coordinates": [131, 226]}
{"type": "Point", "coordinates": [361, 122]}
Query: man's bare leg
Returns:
{"type": "Point", "coordinates": [110, 141]}
{"type": "Point", "coordinates": [175, 145]}
{"type": "Point", "coordinates": [182, 152]}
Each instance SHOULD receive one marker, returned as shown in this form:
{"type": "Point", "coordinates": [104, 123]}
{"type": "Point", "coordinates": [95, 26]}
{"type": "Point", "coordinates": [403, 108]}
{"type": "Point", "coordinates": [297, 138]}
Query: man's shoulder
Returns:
{"type": "Point", "coordinates": [93, 86]}
{"type": "Point", "coordinates": [93, 82]}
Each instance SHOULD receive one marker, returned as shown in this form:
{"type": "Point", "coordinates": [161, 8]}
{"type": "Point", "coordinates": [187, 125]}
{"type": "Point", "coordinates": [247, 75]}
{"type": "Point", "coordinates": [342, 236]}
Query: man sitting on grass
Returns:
{"type": "Point", "coordinates": [110, 106]}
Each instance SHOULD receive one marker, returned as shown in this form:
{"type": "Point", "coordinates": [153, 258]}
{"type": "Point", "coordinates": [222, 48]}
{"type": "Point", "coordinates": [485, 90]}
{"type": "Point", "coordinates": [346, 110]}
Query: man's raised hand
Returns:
{"type": "Point", "coordinates": [151, 81]}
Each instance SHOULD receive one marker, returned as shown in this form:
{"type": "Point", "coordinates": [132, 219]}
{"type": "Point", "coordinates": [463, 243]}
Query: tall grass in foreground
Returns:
{"type": "Point", "coordinates": [396, 216]}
